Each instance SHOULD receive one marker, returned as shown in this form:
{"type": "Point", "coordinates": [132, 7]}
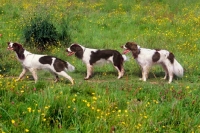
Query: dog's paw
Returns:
{"type": "Point", "coordinates": [72, 83]}
{"type": "Point", "coordinates": [86, 78]}
{"type": "Point", "coordinates": [164, 78]}
{"type": "Point", "coordinates": [141, 79]}
{"type": "Point", "coordinates": [119, 77]}
{"type": "Point", "coordinates": [16, 80]}
{"type": "Point", "coordinates": [56, 80]}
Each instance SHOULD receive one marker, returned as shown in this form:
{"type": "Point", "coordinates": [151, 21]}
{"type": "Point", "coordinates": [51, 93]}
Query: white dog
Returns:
{"type": "Point", "coordinates": [146, 58]}
{"type": "Point", "coordinates": [93, 57]}
{"type": "Point", "coordinates": [34, 62]}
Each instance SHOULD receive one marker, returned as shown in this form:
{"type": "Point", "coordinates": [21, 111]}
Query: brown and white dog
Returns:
{"type": "Point", "coordinates": [34, 62]}
{"type": "Point", "coordinates": [146, 58]}
{"type": "Point", "coordinates": [93, 57]}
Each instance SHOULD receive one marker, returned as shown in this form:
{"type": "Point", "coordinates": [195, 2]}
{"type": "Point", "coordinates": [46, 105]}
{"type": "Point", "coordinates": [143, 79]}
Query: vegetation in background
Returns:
{"type": "Point", "coordinates": [41, 33]}
{"type": "Point", "coordinates": [103, 103]}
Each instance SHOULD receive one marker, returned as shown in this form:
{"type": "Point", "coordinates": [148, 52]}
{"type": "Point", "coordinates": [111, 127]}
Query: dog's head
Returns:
{"type": "Point", "coordinates": [74, 48]}
{"type": "Point", "coordinates": [17, 48]}
{"type": "Point", "coordinates": [14, 46]}
{"type": "Point", "coordinates": [131, 47]}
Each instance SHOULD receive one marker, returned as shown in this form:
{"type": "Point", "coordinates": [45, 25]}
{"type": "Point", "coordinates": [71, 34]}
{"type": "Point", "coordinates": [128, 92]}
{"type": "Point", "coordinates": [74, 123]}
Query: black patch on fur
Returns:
{"type": "Point", "coordinates": [60, 65]}
{"type": "Point", "coordinates": [78, 50]}
{"type": "Point", "coordinates": [118, 60]}
{"type": "Point", "coordinates": [46, 60]}
{"type": "Point", "coordinates": [171, 57]}
{"type": "Point", "coordinates": [19, 50]}
{"type": "Point", "coordinates": [156, 57]}
{"type": "Point", "coordinates": [105, 54]}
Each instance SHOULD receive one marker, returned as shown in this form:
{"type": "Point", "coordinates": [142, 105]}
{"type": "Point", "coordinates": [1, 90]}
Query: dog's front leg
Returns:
{"type": "Point", "coordinates": [22, 74]}
{"type": "Point", "coordinates": [56, 75]}
{"type": "Point", "coordinates": [89, 71]}
{"type": "Point", "coordinates": [144, 73]}
{"type": "Point", "coordinates": [34, 73]}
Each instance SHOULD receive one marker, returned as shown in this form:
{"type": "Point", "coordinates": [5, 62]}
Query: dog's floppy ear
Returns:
{"type": "Point", "coordinates": [75, 47]}
{"type": "Point", "coordinates": [134, 48]}
{"type": "Point", "coordinates": [131, 46]}
{"type": "Point", "coordinates": [16, 46]}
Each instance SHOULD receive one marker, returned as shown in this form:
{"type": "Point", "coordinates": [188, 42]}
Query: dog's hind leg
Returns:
{"type": "Point", "coordinates": [22, 74]}
{"type": "Point", "coordinates": [167, 66]}
{"type": "Point", "coordinates": [89, 71]}
{"type": "Point", "coordinates": [170, 72]}
{"type": "Point", "coordinates": [120, 72]}
{"type": "Point", "coordinates": [165, 69]}
{"type": "Point", "coordinates": [64, 74]}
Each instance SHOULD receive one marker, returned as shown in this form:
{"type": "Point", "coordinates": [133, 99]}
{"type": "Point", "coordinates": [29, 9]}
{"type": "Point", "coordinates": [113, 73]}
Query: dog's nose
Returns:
{"type": "Point", "coordinates": [122, 46]}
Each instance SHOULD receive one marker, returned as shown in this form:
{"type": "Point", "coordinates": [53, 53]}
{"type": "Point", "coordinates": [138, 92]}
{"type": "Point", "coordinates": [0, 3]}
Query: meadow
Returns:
{"type": "Point", "coordinates": [103, 104]}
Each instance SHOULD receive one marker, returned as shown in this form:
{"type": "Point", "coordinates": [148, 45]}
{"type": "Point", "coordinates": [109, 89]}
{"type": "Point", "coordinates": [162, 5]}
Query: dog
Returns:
{"type": "Point", "coordinates": [34, 62]}
{"type": "Point", "coordinates": [146, 58]}
{"type": "Point", "coordinates": [93, 57]}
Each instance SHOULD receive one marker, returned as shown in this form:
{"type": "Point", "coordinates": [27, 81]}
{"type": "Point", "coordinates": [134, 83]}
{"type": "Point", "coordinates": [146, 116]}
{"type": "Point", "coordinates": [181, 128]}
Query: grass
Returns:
{"type": "Point", "coordinates": [103, 103]}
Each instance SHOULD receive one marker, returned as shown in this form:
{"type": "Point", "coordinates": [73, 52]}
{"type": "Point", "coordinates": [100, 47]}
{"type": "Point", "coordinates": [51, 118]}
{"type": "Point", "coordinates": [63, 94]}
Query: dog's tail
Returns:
{"type": "Point", "coordinates": [177, 68]}
{"type": "Point", "coordinates": [69, 67]}
{"type": "Point", "coordinates": [125, 57]}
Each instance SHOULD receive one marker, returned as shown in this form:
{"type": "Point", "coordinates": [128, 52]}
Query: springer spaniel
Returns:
{"type": "Point", "coordinates": [92, 57]}
{"type": "Point", "coordinates": [34, 62]}
{"type": "Point", "coordinates": [146, 58]}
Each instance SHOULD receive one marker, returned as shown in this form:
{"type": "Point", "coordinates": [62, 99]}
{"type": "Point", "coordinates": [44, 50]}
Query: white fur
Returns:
{"type": "Point", "coordinates": [86, 59]}
{"type": "Point", "coordinates": [144, 59]}
{"type": "Point", "coordinates": [31, 63]}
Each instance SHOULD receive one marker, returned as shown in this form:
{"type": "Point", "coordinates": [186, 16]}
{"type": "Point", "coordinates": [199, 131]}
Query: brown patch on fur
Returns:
{"type": "Point", "coordinates": [156, 56]}
{"type": "Point", "coordinates": [78, 50]}
{"type": "Point", "coordinates": [171, 57]}
{"type": "Point", "coordinates": [133, 47]}
{"type": "Point", "coordinates": [19, 50]}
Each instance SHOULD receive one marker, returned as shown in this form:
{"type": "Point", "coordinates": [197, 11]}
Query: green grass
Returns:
{"type": "Point", "coordinates": [103, 103]}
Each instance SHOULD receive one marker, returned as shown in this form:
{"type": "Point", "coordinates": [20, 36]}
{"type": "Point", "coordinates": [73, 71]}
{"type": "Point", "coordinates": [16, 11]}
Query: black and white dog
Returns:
{"type": "Point", "coordinates": [93, 57]}
{"type": "Point", "coordinates": [34, 62]}
{"type": "Point", "coordinates": [146, 58]}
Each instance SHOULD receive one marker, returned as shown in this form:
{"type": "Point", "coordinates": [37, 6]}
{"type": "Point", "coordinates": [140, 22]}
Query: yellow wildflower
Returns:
{"type": "Point", "coordinates": [13, 121]}
{"type": "Point", "coordinates": [73, 100]}
{"type": "Point", "coordinates": [29, 109]}
{"type": "Point", "coordinates": [95, 98]}
{"type": "Point", "coordinates": [123, 123]}
{"type": "Point", "coordinates": [88, 104]}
